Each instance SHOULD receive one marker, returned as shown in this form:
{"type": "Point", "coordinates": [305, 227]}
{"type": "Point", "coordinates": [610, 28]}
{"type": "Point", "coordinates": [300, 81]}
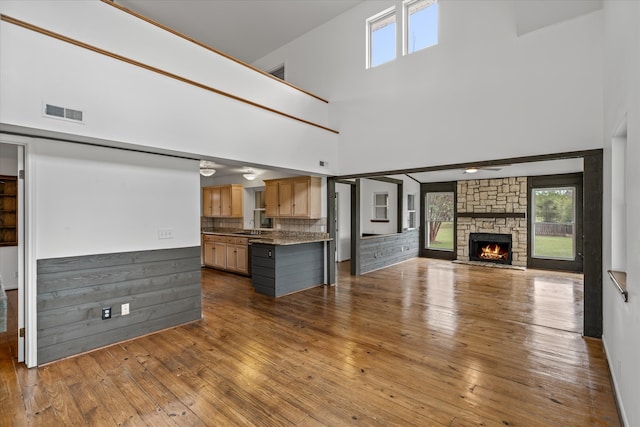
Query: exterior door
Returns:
{"type": "Point", "coordinates": [437, 236]}
{"type": "Point", "coordinates": [555, 222]}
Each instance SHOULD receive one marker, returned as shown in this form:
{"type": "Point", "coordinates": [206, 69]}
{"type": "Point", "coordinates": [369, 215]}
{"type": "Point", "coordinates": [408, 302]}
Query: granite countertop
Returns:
{"type": "Point", "coordinates": [272, 237]}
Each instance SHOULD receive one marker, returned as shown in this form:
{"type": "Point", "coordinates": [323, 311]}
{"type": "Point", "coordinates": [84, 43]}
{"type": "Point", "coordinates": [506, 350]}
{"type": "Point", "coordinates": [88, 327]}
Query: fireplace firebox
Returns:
{"type": "Point", "coordinates": [490, 247]}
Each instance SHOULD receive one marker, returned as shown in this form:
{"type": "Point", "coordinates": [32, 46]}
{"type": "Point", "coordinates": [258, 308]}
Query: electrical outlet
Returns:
{"type": "Point", "coordinates": [124, 309]}
{"type": "Point", "coordinates": [165, 233]}
{"type": "Point", "coordinates": [106, 313]}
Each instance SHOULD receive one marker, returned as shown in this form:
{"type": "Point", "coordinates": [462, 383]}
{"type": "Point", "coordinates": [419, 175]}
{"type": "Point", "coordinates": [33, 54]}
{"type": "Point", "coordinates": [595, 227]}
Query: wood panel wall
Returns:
{"type": "Point", "coordinates": [382, 251]}
{"type": "Point", "coordinates": [162, 288]}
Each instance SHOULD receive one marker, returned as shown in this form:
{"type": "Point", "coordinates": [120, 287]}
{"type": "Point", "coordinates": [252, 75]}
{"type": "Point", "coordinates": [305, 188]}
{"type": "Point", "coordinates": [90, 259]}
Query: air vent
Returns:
{"type": "Point", "coordinates": [63, 113]}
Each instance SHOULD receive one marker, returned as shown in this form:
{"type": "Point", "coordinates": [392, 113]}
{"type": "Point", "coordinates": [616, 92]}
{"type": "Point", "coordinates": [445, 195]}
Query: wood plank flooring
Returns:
{"type": "Point", "coordinates": [425, 343]}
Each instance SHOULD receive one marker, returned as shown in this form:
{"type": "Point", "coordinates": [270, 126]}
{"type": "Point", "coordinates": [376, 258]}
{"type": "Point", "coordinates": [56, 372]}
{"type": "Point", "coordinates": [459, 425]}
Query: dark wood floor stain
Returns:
{"type": "Point", "coordinates": [425, 343]}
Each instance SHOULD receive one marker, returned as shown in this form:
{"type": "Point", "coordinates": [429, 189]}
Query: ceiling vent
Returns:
{"type": "Point", "coordinates": [63, 113]}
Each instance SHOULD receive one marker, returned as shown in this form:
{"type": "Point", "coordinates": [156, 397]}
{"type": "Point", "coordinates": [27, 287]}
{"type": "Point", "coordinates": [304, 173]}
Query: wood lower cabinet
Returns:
{"type": "Point", "coordinates": [297, 197]}
{"type": "Point", "coordinates": [222, 201]}
{"type": "Point", "coordinates": [226, 253]}
{"type": "Point", "coordinates": [238, 258]}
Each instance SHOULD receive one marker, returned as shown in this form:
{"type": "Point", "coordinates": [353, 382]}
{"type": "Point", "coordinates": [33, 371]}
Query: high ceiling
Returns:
{"type": "Point", "coordinates": [244, 29]}
{"type": "Point", "coordinates": [250, 29]}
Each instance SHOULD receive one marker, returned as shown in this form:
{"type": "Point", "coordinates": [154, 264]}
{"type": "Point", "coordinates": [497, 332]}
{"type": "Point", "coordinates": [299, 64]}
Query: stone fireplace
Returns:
{"type": "Point", "coordinates": [493, 206]}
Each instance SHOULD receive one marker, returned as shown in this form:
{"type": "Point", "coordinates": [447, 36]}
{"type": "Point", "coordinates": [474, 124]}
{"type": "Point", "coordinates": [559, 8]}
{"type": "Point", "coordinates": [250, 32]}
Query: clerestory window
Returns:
{"type": "Point", "coordinates": [419, 30]}
{"type": "Point", "coordinates": [381, 38]}
{"type": "Point", "coordinates": [420, 25]}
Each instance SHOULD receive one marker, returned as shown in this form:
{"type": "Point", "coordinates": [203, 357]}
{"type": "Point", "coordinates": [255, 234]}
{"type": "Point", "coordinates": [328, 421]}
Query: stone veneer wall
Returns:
{"type": "Point", "coordinates": [485, 196]}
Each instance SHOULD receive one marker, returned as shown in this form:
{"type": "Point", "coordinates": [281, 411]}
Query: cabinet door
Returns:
{"type": "Point", "coordinates": [301, 197]}
{"type": "Point", "coordinates": [219, 255]}
{"type": "Point", "coordinates": [208, 254]}
{"type": "Point", "coordinates": [206, 202]}
{"type": "Point", "coordinates": [225, 201]}
{"type": "Point", "coordinates": [237, 258]}
{"type": "Point", "coordinates": [216, 202]}
{"type": "Point", "coordinates": [242, 259]}
{"type": "Point", "coordinates": [271, 199]}
{"type": "Point", "coordinates": [285, 198]}
{"type": "Point", "coordinates": [236, 201]}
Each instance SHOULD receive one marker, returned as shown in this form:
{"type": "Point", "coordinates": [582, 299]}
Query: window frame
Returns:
{"type": "Point", "coordinates": [406, 4]}
{"type": "Point", "coordinates": [411, 219]}
{"type": "Point", "coordinates": [387, 13]}
{"type": "Point", "coordinates": [374, 216]}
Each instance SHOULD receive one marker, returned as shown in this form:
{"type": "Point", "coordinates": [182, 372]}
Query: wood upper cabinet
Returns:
{"type": "Point", "coordinates": [297, 197]}
{"type": "Point", "coordinates": [222, 201]}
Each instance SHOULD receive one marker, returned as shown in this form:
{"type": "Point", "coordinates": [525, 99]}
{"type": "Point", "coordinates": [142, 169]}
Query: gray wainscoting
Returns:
{"type": "Point", "coordinates": [381, 251]}
{"type": "Point", "coordinates": [162, 287]}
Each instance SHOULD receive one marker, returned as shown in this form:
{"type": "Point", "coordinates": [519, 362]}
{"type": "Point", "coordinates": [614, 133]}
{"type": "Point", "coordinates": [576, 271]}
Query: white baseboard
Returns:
{"type": "Point", "coordinates": [616, 391]}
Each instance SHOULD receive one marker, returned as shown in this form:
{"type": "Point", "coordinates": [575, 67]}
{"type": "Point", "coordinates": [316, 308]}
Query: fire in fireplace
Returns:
{"type": "Point", "coordinates": [490, 247]}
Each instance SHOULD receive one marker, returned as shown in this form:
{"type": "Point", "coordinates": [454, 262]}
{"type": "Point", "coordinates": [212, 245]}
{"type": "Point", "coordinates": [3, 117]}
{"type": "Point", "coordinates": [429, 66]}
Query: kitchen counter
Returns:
{"type": "Point", "coordinates": [272, 237]}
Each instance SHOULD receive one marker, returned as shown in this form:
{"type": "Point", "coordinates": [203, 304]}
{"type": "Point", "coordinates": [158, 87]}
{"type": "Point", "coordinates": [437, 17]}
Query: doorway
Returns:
{"type": "Point", "coordinates": [12, 243]}
{"type": "Point", "coordinates": [555, 238]}
{"type": "Point", "coordinates": [438, 237]}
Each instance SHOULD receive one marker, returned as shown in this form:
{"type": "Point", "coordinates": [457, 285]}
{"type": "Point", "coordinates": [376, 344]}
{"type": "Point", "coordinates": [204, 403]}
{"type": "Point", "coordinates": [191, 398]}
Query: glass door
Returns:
{"type": "Point", "coordinates": [555, 222]}
{"type": "Point", "coordinates": [438, 237]}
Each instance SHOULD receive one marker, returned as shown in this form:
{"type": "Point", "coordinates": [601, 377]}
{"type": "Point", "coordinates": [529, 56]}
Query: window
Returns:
{"type": "Point", "coordinates": [381, 206]}
{"type": "Point", "coordinates": [411, 211]}
{"type": "Point", "coordinates": [439, 210]}
{"type": "Point", "coordinates": [259, 219]}
{"type": "Point", "coordinates": [420, 25]}
{"type": "Point", "coordinates": [553, 232]}
{"type": "Point", "coordinates": [381, 38]}
{"type": "Point", "coordinates": [278, 72]}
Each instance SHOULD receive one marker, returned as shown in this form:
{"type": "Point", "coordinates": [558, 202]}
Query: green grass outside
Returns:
{"type": "Point", "coordinates": [444, 238]}
{"type": "Point", "coordinates": [552, 246]}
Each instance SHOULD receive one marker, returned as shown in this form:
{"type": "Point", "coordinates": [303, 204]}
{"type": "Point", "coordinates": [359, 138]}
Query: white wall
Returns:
{"type": "Point", "coordinates": [622, 99]}
{"type": "Point", "coordinates": [93, 200]}
{"type": "Point", "coordinates": [368, 187]}
{"type": "Point", "coordinates": [9, 255]}
{"type": "Point", "coordinates": [127, 105]}
{"type": "Point", "coordinates": [482, 93]}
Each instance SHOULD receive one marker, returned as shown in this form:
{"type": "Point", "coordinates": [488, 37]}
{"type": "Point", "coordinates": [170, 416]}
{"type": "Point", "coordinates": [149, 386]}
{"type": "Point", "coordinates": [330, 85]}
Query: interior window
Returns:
{"type": "Point", "coordinates": [381, 206]}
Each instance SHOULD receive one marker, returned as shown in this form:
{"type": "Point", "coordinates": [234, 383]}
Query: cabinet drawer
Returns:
{"type": "Point", "coordinates": [241, 241]}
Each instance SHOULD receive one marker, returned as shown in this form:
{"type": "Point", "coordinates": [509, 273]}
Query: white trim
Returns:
{"type": "Point", "coordinates": [371, 20]}
{"type": "Point", "coordinates": [617, 392]}
{"type": "Point", "coordinates": [27, 295]}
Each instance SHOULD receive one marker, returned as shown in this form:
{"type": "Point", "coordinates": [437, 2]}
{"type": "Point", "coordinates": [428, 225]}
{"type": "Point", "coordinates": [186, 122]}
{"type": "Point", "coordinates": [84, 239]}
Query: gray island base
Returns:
{"type": "Point", "coordinates": [280, 270]}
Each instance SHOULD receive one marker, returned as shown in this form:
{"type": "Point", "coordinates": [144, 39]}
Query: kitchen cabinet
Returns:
{"type": "Point", "coordinates": [222, 201]}
{"type": "Point", "coordinates": [297, 197]}
{"type": "Point", "coordinates": [8, 211]}
{"type": "Point", "coordinates": [226, 253]}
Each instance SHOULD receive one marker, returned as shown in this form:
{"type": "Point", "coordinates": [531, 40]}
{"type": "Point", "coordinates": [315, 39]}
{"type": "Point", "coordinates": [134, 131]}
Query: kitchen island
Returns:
{"type": "Point", "coordinates": [280, 262]}
{"type": "Point", "coordinates": [281, 269]}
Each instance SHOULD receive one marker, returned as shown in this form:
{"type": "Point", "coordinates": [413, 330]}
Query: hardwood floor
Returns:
{"type": "Point", "coordinates": [425, 342]}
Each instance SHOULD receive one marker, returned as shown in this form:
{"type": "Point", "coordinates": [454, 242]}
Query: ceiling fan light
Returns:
{"type": "Point", "coordinates": [207, 171]}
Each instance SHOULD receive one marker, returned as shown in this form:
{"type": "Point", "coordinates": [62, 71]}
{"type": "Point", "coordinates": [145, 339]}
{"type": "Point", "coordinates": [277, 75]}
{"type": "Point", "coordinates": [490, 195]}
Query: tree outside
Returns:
{"type": "Point", "coordinates": [439, 211]}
